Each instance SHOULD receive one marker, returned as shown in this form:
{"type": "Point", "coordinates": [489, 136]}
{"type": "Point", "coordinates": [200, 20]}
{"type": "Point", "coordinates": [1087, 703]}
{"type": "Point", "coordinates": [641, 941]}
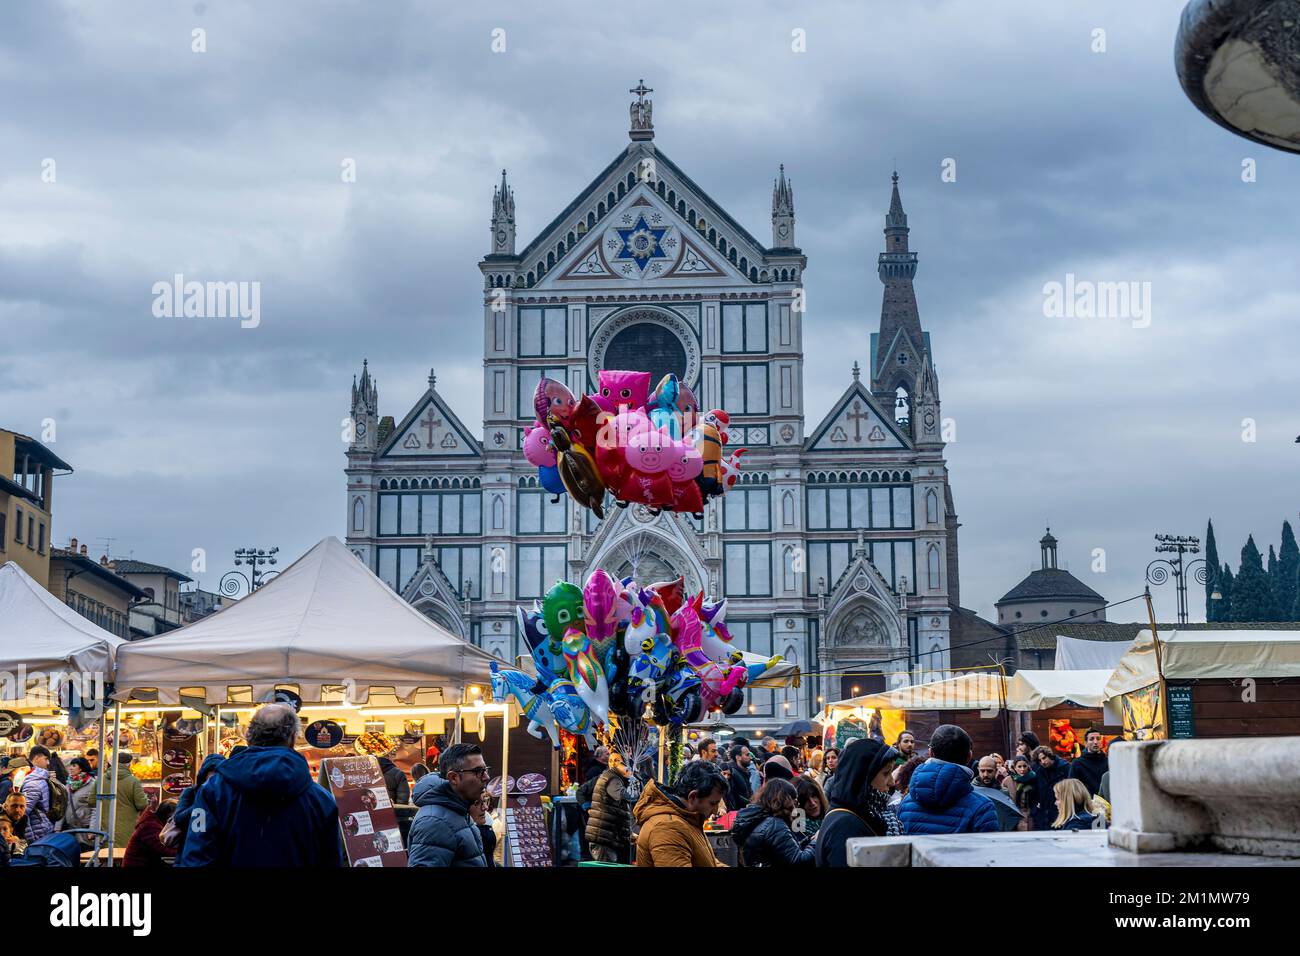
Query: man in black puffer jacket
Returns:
{"type": "Point", "coordinates": [443, 833]}
{"type": "Point", "coordinates": [762, 829]}
{"type": "Point", "coordinates": [399, 791]}
{"type": "Point", "coordinates": [1091, 764]}
{"type": "Point", "coordinates": [609, 824]}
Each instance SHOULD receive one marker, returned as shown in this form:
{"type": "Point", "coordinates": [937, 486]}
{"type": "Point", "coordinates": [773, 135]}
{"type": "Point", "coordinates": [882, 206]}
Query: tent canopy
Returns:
{"type": "Point", "coordinates": [1205, 654]}
{"type": "Point", "coordinates": [1076, 654]}
{"type": "Point", "coordinates": [326, 621]}
{"type": "Point", "coordinates": [978, 691]}
{"type": "Point", "coordinates": [1039, 690]}
{"type": "Point", "coordinates": [47, 639]}
{"type": "Point", "coordinates": [1026, 690]}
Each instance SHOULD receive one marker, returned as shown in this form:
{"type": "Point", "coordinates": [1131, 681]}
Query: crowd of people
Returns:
{"type": "Point", "coordinates": [794, 805]}
{"type": "Point", "coordinates": [797, 805]}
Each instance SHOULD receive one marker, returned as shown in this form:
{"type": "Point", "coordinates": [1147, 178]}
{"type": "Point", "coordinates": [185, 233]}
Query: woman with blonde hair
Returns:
{"type": "Point", "coordinates": [1076, 809]}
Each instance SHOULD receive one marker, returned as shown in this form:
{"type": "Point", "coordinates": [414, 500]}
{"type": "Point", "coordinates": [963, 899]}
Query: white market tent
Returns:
{"type": "Point", "coordinates": [1026, 690]}
{"type": "Point", "coordinates": [1206, 654]}
{"type": "Point", "coordinates": [1076, 654]}
{"type": "Point", "coordinates": [48, 640]}
{"type": "Point", "coordinates": [1041, 690]}
{"type": "Point", "coordinates": [325, 622]}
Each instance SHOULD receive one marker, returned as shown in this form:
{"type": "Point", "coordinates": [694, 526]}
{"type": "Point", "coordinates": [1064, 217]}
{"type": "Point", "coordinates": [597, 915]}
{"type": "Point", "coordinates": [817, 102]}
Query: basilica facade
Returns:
{"type": "Point", "coordinates": [837, 549]}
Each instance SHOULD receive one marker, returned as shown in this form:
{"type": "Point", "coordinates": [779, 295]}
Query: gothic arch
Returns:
{"type": "Point", "coordinates": [652, 549]}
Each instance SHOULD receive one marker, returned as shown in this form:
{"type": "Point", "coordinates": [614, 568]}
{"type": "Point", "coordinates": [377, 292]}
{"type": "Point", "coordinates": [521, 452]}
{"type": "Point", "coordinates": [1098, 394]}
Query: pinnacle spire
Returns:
{"type": "Point", "coordinates": [782, 211]}
{"type": "Point", "coordinates": [503, 218]}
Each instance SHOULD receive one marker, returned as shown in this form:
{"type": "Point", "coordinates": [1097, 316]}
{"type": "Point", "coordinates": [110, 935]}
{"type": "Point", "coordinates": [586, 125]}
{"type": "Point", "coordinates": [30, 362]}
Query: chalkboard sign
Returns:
{"type": "Point", "coordinates": [1180, 712]}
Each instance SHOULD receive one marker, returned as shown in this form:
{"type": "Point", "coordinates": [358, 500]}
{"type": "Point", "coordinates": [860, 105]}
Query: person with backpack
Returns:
{"type": "Point", "coordinates": [47, 799]}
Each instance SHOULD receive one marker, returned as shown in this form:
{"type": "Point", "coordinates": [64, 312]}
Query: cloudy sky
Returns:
{"type": "Point", "coordinates": [225, 164]}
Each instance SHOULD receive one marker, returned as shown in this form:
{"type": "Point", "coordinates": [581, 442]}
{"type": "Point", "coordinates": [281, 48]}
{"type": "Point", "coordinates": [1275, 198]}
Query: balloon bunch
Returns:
{"type": "Point", "coordinates": [650, 448]}
{"type": "Point", "coordinates": [610, 647]}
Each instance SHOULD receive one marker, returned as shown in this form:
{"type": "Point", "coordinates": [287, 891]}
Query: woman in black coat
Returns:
{"type": "Point", "coordinates": [859, 796]}
{"type": "Point", "coordinates": [1049, 770]}
{"type": "Point", "coordinates": [762, 829]}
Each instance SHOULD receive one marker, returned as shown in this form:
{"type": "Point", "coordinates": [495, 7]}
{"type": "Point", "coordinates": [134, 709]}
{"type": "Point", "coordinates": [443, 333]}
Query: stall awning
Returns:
{"type": "Point", "coordinates": [49, 640]}
{"type": "Point", "coordinates": [326, 622]}
{"type": "Point", "coordinates": [1039, 690]}
{"type": "Point", "coordinates": [1204, 654]}
{"type": "Point", "coordinates": [1026, 690]}
{"type": "Point", "coordinates": [1076, 654]}
{"type": "Point", "coordinates": [963, 692]}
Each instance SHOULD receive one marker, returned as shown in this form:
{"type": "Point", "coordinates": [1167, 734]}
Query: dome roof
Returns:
{"type": "Point", "coordinates": [1050, 584]}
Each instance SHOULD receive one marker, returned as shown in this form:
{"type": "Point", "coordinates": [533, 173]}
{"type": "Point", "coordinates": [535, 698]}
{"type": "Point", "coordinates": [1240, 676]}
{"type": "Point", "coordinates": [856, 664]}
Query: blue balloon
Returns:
{"type": "Point", "coordinates": [549, 476]}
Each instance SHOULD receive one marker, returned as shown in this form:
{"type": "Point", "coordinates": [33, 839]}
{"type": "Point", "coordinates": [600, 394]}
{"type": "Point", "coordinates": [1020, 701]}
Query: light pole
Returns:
{"type": "Point", "coordinates": [1161, 569]}
{"type": "Point", "coordinates": [255, 559]}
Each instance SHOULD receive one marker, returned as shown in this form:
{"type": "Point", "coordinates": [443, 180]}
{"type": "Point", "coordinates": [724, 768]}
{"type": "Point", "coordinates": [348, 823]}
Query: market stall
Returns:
{"type": "Point", "coordinates": [369, 674]}
{"type": "Point", "coordinates": [56, 665]}
{"type": "Point", "coordinates": [990, 706]}
{"type": "Point", "coordinates": [1208, 683]}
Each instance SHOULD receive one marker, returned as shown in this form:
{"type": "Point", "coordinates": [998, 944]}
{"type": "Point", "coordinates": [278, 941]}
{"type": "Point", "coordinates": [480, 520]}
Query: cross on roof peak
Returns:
{"type": "Point", "coordinates": [641, 90]}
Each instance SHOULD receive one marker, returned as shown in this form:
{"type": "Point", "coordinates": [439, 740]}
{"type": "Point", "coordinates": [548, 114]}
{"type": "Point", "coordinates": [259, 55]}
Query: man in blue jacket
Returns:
{"type": "Point", "coordinates": [443, 833]}
{"type": "Point", "coordinates": [261, 807]}
{"type": "Point", "coordinates": [941, 797]}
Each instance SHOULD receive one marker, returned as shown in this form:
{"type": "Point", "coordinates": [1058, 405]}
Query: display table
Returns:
{"type": "Point", "coordinates": [724, 848]}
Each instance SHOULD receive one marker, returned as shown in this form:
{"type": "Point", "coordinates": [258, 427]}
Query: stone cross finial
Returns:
{"type": "Point", "coordinates": [856, 371]}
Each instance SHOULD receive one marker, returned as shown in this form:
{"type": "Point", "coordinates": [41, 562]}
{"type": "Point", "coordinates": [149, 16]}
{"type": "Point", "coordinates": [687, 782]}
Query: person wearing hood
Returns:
{"type": "Point", "coordinates": [1090, 765]}
{"type": "Point", "coordinates": [858, 795]}
{"type": "Point", "coordinates": [185, 804]}
{"type": "Point", "coordinates": [777, 768]}
{"type": "Point", "coordinates": [762, 829]}
{"type": "Point", "coordinates": [443, 833]}
{"type": "Point", "coordinates": [941, 797]}
{"type": "Point", "coordinates": [672, 819]}
{"type": "Point", "coordinates": [261, 808]}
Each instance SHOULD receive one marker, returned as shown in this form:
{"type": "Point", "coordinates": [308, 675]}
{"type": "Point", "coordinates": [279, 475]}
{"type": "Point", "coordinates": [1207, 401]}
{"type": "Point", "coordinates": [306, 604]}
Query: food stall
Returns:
{"type": "Point", "coordinates": [1208, 683]}
{"type": "Point", "coordinates": [368, 673]}
{"type": "Point", "coordinates": [56, 665]}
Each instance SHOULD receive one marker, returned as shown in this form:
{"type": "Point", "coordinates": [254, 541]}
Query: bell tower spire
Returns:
{"type": "Point", "coordinates": [782, 212]}
{"type": "Point", "coordinates": [503, 219]}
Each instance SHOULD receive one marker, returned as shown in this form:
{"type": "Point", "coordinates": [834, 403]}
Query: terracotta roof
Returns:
{"type": "Point", "coordinates": [1044, 638]}
{"type": "Point", "coordinates": [127, 566]}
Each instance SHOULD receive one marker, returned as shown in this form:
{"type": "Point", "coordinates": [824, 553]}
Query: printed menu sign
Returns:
{"type": "Point", "coordinates": [1181, 724]}
{"type": "Point", "coordinates": [180, 754]}
{"type": "Point", "coordinates": [366, 815]}
{"type": "Point", "coordinates": [527, 842]}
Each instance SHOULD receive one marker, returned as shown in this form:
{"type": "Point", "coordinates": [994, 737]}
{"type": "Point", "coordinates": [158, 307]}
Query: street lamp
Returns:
{"type": "Point", "coordinates": [255, 559]}
{"type": "Point", "coordinates": [1161, 570]}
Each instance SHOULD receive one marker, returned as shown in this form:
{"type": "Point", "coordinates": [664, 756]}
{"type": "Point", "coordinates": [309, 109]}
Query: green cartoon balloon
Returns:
{"type": "Point", "coordinates": [562, 609]}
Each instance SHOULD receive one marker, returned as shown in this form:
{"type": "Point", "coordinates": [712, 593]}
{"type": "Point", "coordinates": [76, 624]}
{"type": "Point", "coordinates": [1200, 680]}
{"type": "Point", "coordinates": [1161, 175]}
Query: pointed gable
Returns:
{"type": "Point", "coordinates": [430, 430]}
{"type": "Point", "coordinates": [631, 226]}
{"type": "Point", "coordinates": [856, 424]}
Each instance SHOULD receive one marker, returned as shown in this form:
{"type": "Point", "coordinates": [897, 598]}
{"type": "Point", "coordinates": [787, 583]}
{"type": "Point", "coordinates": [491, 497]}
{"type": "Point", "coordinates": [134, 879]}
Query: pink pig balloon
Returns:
{"type": "Point", "coordinates": [537, 447]}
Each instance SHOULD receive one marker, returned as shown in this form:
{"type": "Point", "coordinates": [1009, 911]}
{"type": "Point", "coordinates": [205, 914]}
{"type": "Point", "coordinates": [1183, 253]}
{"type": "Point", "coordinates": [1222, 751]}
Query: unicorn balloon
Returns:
{"type": "Point", "coordinates": [649, 647]}
{"type": "Point", "coordinates": [717, 680]}
{"type": "Point", "coordinates": [536, 707]}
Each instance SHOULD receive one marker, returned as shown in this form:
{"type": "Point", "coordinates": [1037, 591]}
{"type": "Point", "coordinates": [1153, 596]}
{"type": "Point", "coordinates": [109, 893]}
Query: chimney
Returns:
{"type": "Point", "coordinates": [73, 546]}
{"type": "Point", "coordinates": [103, 560]}
{"type": "Point", "coordinates": [83, 550]}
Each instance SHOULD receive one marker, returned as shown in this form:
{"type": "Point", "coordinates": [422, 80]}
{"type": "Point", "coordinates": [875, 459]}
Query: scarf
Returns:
{"type": "Point", "coordinates": [78, 779]}
{"type": "Point", "coordinates": [879, 804]}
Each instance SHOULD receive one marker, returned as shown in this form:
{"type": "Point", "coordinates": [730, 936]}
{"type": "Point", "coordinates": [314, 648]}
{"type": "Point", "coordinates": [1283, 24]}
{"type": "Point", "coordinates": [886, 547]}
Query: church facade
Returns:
{"type": "Point", "coordinates": [837, 549]}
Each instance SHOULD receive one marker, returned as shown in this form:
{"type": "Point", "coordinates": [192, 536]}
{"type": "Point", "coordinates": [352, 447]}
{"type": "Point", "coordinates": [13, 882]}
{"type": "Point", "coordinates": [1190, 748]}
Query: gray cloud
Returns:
{"type": "Point", "coordinates": [226, 165]}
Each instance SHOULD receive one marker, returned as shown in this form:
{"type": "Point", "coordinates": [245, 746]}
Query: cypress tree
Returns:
{"type": "Point", "coordinates": [1252, 598]}
{"type": "Point", "coordinates": [1287, 587]}
{"type": "Point", "coordinates": [1212, 566]}
{"type": "Point", "coordinates": [1225, 589]}
{"type": "Point", "coordinates": [1272, 574]}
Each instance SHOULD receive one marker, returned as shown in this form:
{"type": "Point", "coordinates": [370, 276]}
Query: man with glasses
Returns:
{"type": "Point", "coordinates": [443, 833]}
